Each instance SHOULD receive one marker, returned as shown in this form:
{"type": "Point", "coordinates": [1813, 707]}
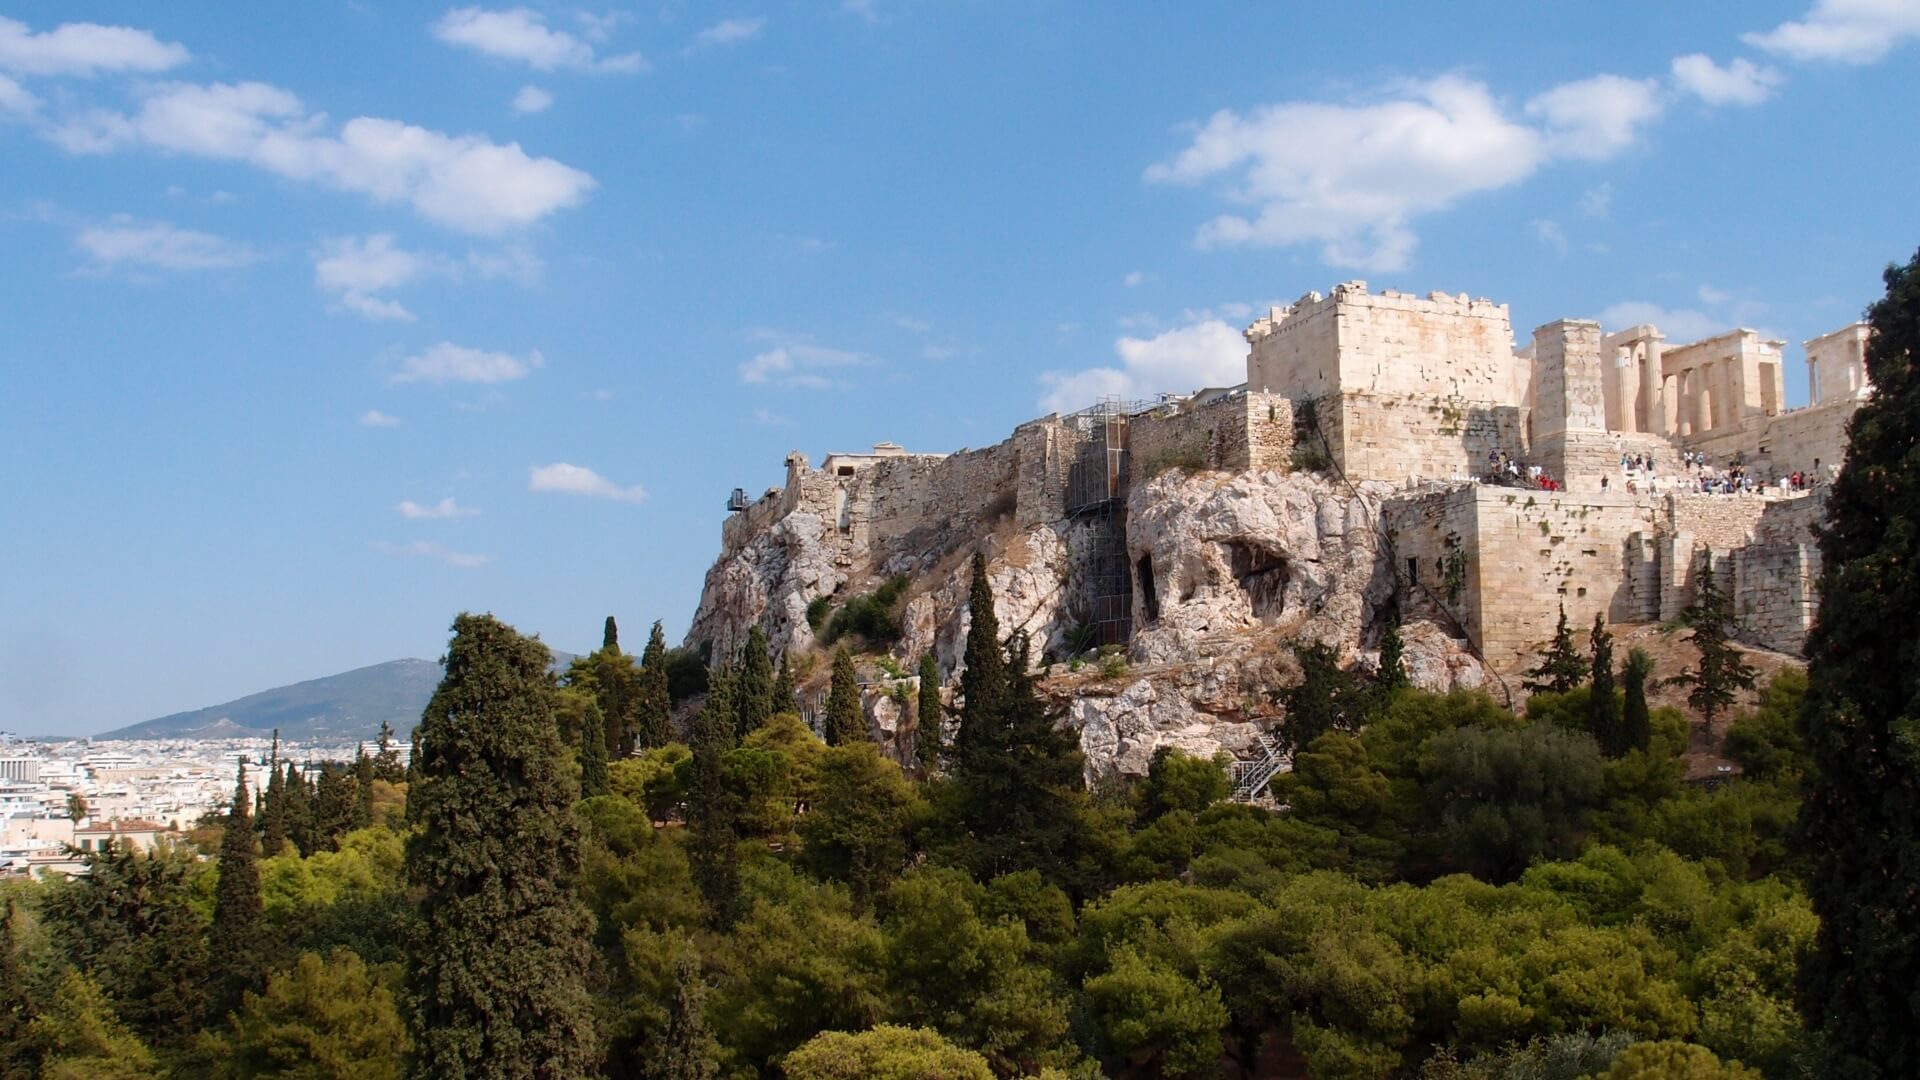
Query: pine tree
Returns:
{"type": "Point", "coordinates": [16, 1008]}
{"type": "Point", "coordinates": [1561, 668]}
{"type": "Point", "coordinates": [1860, 811]}
{"type": "Point", "coordinates": [983, 684]}
{"type": "Point", "coordinates": [498, 972]}
{"type": "Point", "coordinates": [926, 744]}
{"type": "Point", "coordinates": [297, 799]}
{"type": "Point", "coordinates": [610, 636]}
{"type": "Point", "coordinates": [686, 1048]}
{"type": "Point", "coordinates": [234, 938]}
{"type": "Point", "coordinates": [753, 687]}
{"type": "Point", "coordinates": [386, 759]}
{"type": "Point", "coordinates": [362, 788]}
{"type": "Point", "coordinates": [712, 807]}
{"type": "Point", "coordinates": [1721, 673]}
{"type": "Point", "coordinates": [1392, 673]}
{"type": "Point", "coordinates": [846, 721]}
{"type": "Point", "coordinates": [653, 711]}
{"type": "Point", "coordinates": [273, 839]}
{"type": "Point", "coordinates": [593, 753]}
{"type": "Point", "coordinates": [1603, 708]}
{"type": "Point", "coordinates": [1636, 720]}
{"type": "Point", "coordinates": [785, 697]}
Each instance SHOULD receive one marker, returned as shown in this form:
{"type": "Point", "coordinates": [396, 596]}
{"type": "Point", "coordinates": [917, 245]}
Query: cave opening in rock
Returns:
{"type": "Point", "coordinates": [1149, 594]}
{"type": "Point", "coordinates": [1263, 574]}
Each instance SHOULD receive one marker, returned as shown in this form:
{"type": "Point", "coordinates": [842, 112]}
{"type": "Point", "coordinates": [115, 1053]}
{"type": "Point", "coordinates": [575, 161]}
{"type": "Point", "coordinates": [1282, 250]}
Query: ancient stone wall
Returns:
{"type": "Point", "coordinates": [1235, 432]}
{"type": "Point", "coordinates": [1404, 438]}
{"type": "Point", "coordinates": [1440, 345]}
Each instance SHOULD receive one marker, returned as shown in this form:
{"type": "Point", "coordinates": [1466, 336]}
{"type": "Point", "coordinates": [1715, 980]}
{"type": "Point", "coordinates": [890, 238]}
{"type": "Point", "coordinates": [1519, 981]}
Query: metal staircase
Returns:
{"type": "Point", "coordinates": [1250, 777]}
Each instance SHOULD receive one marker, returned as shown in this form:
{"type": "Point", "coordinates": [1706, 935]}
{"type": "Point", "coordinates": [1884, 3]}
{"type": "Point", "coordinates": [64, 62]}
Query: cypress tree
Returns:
{"type": "Point", "coordinates": [785, 697]}
{"type": "Point", "coordinates": [498, 971]}
{"type": "Point", "coordinates": [686, 1048]}
{"type": "Point", "coordinates": [1719, 676]}
{"type": "Point", "coordinates": [753, 689]}
{"type": "Point", "coordinates": [593, 753]}
{"type": "Point", "coordinates": [234, 937]}
{"type": "Point", "coordinates": [333, 805]}
{"type": "Point", "coordinates": [653, 711]}
{"type": "Point", "coordinates": [1021, 785]}
{"type": "Point", "coordinates": [1860, 812]}
{"type": "Point", "coordinates": [1603, 708]}
{"type": "Point", "coordinates": [16, 1009]}
{"type": "Point", "coordinates": [713, 848]}
{"type": "Point", "coordinates": [1327, 698]}
{"type": "Point", "coordinates": [926, 743]}
{"type": "Point", "coordinates": [1561, 668]}
{"type": "Point", "coordinates": [297, 798]}
{"type": "Point", "coordinates": [610, 636]}
{"type": "Point", "coordinates": [386, 759]}
{"type": "Point", "coordinates": [362, 788]}
{"type": "Point", "coordinates": [1393, 668]}
{"type": "Point", "coordinates": [983, 685]}
{"type": "Point", "coordinates": [846, 722]}
{"type": "Point", "coordinates": [273, 837]}
{"type": "Point", "coordinates": [1636, 720]}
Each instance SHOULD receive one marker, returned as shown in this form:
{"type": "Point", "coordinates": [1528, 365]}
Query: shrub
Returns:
{"type": "Point", "coordinates": [875, 617]}
{"type": "Point", "coordinates": [817, 610]}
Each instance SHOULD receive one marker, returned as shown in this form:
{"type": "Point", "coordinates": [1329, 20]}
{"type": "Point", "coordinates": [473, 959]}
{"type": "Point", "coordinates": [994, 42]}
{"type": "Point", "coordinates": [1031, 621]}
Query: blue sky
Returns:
{"type": "Point", "coordinates": [323, 322]}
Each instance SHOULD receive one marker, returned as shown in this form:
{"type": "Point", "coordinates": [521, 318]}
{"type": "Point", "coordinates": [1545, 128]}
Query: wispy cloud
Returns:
{"type": "Point", "coordinates": [530, 100]}
{"type": "Point", "coordinates": [1741, 82]}
{"type": "Point", "coordinates": [159, 246]}
{"type": "Point", "coordinates": [727, 32]}
{"type": "Point", "coordinates": [83, 50]}
{"type": "Point", "coordinates": [450, 363]}
{"type": "Point", "coordinates": [566, 479]}
{"type": "Point", "coordinates": [1679, 325]}
{"type": "Point", "coordinates": [1353, 178]}
{"type": "Point", "coordinates": [376, 418]}
{"type": "Point", "coordinates": [1550, 233]}
{"type": "Point", "coordinates": [356, 268]}
{"type": "Point", "coordinates": [1201, 354]}
{"type": "Point", "coordinates": [522, 36]}
{"type": "Point", "coordinates": [445, 508]}
{"type": "Point", "coordinates": [464, 182]}
{"type": "Point", "coordinates": [800, 365]}
{"type": "Point", "coordinates": [1843, 31]}
{"type": "Point", "coordinates": [427, 549]}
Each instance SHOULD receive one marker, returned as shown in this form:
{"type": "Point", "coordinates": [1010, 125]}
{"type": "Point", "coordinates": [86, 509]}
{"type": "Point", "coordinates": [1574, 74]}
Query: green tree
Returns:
{"type": "Point", "coordinates": [1177, 780]}
{"type": "Point", "coordinates": [983, 683]}
{"type": "Point", "coordinates": [273, 834]}
{"type": "Point", "coordinates": [846, 722]}
{"type": "Point", "coordinates": [1636, 719]}
{"type": "Point", "coordinates": [362, 788]}
{"type": "Point", "coordinates": [297, 801]}
{"type": "Point", "coordinates": [1674, 1060]}
{"type": "Point", "coordinates": [884, 1053]}
{"type": "Point", "coordinates": [497, 976]}
{"type": "Point", "coordinates": [1603, 707]}
{"type": "Point", "coordinates": [235, 938]}
{"type": "Point", "coordinates": [686, 1050]}
{"type": "Point", "coordinates": [1507, 797]}
{"type": "Point", "coordinates": [326, 1016]}
{"type": "Point", "coordinates": [1560, 668]}
{"type": "Point", "coordinates": [76, 807]}
{"type": "Point", "coordinates": [16, 1007]}
{"type": "Point", "coordinates": [929, 717]}
{"type": "Point", "coordinates": [1392, 673]}
{"type": "Point", "coordinates": [593, 752]}
{"type": "Point", "coordinates": [1721, 673]}
{"type": "Point", "coordinates": [610, 636]}
{"type": "Point", "coordinates": [856, 830]}
{"type": "Point", "coordinates": [386, 758]}
{"type": "Point", "coordinates": [82, 1039]}
{"type": "Point", "coordinates": [653, 706]}
{"type": "Point", "coordinates": [1860, 818]}
{"type": "Point", "coordinates": [785, 697]}
{"type": "Point", "coordinates": [713, 807]}
{"type": "Point", "coordinates": [753, 687]}
{"type": "Point", "coordinates": [1327, 697]}
{"type": "Point", "coordinates": [1150, 1016]}
{"type": "Point", "coordinates": [333, 805]}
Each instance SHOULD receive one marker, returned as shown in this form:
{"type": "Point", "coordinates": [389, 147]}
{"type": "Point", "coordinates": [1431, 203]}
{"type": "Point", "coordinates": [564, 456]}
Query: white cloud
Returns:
{"type": "Point", "coordinates": [1186, 358]}
{"type": "Point", "coordinates": [427, 549]}
{"type": "Point", "coordinates": [160, 246]}
{"type": "Point", "coordinates": [15, 99]}
{"type": "Point", "coordinates": [799, 365]}
{"type": "Point", "coordinates": [728, 32]}
{"type": "Point", "coordinates": [1710, 295]}
{"type": "Point", "coordinates": [1741, 82]}
{"type": "Point", "coordinates": [1551, 234]}
{"type": "Point", "coordinates": [566, 479]}
{"type": "Point", "coordinates": [355, 268]}
{"type": "Point", "coordinates": [445, 508]}
{"type": "Point", "coordinates": [450, 363]}
{"type": "Point", "coordinates": [1845, 31]}
{"type": "Point", "coordinates": [1595, 118]}
{"type": "Point", "coordinates": [1353, 177]}
{"type": "Point", "coordinates": [376, 418]}
{"type": "Point", "coordinates": [84, 50]}
{"type": "Point", "coordinates": [530, 100]}
{"type": "Point", "coordinates": [1133, 279]}
{"type": "Point", "coordinates": [1679, 325]}
{"type": "Point", "coordinates": [465, 182]}
{"type": "Point", "coordinates": [1596, 201]}
{"type": "Point", "coordinates": [521, 35]}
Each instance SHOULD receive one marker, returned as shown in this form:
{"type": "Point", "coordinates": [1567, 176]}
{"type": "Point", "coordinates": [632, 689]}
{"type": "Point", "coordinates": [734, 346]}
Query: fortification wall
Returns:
{"type": "Point", "coordinates": [1403, 438]}
{"type": "Point", "coordinates": [1440, 345]}
{"type": "Point", "coordinates": [1237, 432]}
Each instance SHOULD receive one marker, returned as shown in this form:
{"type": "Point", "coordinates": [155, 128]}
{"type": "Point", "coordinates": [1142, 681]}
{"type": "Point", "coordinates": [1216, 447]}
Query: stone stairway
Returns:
{"type": "Point", "coordinates": [1250, 777]}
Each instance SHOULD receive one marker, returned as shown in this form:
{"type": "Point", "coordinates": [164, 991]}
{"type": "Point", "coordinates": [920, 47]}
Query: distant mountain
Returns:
{"type": "Point", "coordinates": [349, 705]}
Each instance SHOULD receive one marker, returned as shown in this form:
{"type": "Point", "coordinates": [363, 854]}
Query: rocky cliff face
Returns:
{"type": "Point", "coordinates": [1228, 569]}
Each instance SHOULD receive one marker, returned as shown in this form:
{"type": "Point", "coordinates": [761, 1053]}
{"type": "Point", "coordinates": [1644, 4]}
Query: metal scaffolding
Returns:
{"type": "Point", "coordinates": [1097, 504]}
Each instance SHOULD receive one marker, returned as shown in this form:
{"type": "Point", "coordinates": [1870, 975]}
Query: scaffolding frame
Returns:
{"type": "Point", "coordinates": [1097, 502]}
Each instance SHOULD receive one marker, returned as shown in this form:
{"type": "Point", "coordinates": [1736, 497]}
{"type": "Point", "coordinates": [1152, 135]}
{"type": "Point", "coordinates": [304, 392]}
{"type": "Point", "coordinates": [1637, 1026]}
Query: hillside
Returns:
{"type": "Point", "coordinates": [350, 705]}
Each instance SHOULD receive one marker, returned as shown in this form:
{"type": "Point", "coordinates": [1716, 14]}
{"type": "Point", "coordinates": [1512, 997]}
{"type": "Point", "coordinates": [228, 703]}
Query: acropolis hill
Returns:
{"type": "Point", "coordinates": [1389, 456]}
